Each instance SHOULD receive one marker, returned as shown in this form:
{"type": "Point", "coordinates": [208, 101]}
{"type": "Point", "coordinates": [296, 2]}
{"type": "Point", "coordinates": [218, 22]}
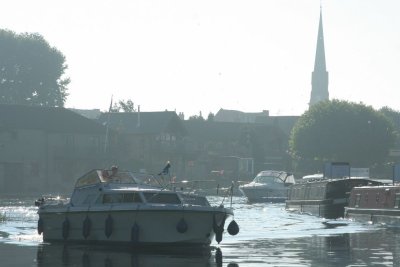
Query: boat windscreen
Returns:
{"type": "Point", "coordinates": [289, 179]}
{"type": "Point", "coordinates": [274, 177]}
{"type": "Point", "coordinates": [267, 179]}
{"type": "Point", "coordinates": [90, 178]}
{"type": "Point", "coordinates": [120, 177]}
{"type": "Point", "coordinates": [195, 200]}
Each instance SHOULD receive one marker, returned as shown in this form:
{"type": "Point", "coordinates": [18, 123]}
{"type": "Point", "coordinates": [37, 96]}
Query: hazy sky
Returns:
{"type": "Point", "coordinates": [204, 55]}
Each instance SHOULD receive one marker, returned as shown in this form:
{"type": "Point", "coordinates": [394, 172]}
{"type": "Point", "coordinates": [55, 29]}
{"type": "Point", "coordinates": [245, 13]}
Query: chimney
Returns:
{"type": "Point", "coordinates": [138, 117]}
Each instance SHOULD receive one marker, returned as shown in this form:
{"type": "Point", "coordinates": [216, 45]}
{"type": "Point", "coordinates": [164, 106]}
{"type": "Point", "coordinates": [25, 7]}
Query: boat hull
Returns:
{"type": "Point", "coordinates": [389, 217]}
{"type": "Point", "coordinates": [141, 227]}
{"type": "Point", "coordinates": [261, 194]}
{"type": "Point", "coordinates": [321, 208]}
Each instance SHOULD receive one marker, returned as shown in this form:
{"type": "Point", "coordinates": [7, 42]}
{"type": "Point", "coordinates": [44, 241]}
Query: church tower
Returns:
{"type": "Point", "coordinates": [319, 79]}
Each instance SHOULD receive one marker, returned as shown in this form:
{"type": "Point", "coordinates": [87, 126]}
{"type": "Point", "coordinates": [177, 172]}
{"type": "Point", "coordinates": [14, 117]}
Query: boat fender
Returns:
{"type": "Point", "coordinates": [39, 202]}
{"type": "Point", "coordinates": [218, 229]}
{"type": "Point", "coordinates": [233, 228]}
{"type": "Point", "coordinates": [109, 226]}
{"type": "Point", "coordinates": [218, 257]}
{"type": "Point", "coordinates": [40, 226]}
{"type": "Point", "coordinates": [86, 227]}
{"type": "Point", "coordinates": [135, 233]}
{"type": "Point", "coordinates": [182, 226]}
{"type": "Point", "coordinates": [85, 259]}
{"type": "Point", "coordinates": [64, 256]}
{"type": "Point", "coordinates": [65, 228]}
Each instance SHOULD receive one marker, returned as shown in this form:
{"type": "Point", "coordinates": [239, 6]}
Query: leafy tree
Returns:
{"type": "Point", "coordinates": [31, 71]}
{"type": "Point", "coordinates": [394, 117]}
{"type": "Point", "coordinates": [210, 117]}
{"type": "Point", "coordinates": [197, 117]}
{"type": "Point", "coordinates": [342, 131]}
{"type": "Point", "coordinates": [124, 105]}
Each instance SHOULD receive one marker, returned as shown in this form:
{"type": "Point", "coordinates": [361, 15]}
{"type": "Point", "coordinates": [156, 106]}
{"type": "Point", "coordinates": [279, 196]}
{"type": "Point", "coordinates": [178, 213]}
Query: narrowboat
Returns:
{"type": "Point", "coordinates": [376, 204]}
{"type": "Point", "coordinates": [323, 197]}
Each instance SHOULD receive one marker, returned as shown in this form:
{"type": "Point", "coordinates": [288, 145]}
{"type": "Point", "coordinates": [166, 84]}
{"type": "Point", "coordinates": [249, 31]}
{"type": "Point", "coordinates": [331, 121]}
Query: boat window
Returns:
{"type": "Point", "coordinates": [90, 178]}
{"type": "Point", "coordinates": [162, 198]}
{"type": "Point", "coordinates": [132, 198]}
{"type": "Point", "coordinates": [397, 201]}
{"type": "Point", "coordinates": [322, 191]}
{"type": "Point", "coordinates": [267, 179]}
{"type": "Point", "coordinates": [121, 198]}
{"type": "Point", "coordinates": [358, 198]}
{"type": "Point", "coordinates": [195, 200]}
{"type": "Point", "coordinates": [112, 198]}
{"type": "Point", "coordinates": [296, 193]}
{"type": "Point", "coordinates": [300, 192]}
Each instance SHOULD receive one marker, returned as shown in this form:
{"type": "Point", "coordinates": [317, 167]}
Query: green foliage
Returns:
{"type": "Point", "coordinates": [197, 117]}
{"type": "Point", "coordinates": [124, 105]}
{"type": "Point", "coordinates": [393, 116]}
{"type": "Point", "coordinates": [342, 131]}
{"type": "Point", "coordinates": [210, 117]}
{"type": "Point", "coordinates": [31, 72]}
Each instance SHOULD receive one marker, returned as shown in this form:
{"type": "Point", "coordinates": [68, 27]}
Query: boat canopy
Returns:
{"type": "Point", "coordinates": [102, 176]}
{"type": "Point", "coordinates": [314, 176]}
{"type": "Point", "coordinates": [277, 176]}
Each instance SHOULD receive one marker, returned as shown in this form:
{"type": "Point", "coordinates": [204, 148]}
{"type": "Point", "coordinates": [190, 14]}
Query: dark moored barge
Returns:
{"type": "Point", "coordinates": [323, 197]}
{"type": "Point", "coordinates": [376, 204]}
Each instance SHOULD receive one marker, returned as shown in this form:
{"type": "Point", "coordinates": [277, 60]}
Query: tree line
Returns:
{"type": "Point", "coordinates": [33, 73]}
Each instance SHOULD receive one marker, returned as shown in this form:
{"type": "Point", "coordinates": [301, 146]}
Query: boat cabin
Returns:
{"type": "Point", "coordinates": [323, 189]}
{"type": "Point", "coordinates": [324, 197]}
{"type": "Point", "coordinates": [99, 188]}
{"type": "Point", "coordinates": [375, 197]}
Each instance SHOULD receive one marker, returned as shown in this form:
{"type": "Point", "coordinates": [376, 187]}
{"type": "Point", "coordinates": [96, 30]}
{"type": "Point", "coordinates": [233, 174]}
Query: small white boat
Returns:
{"type": "Point", "coordinates": [124, 210]}
{"type": "Point", "coordinates": [268, 186]}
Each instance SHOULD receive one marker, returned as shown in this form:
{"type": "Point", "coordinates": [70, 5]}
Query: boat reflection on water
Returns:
{"type": "Point", "coordinates": [59, 254]}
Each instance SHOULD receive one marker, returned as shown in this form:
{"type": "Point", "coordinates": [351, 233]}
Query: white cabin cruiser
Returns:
{"type": "Point", "coordinates": [122, 209]}
{"type": "Point", "coordinates": [268, 186]}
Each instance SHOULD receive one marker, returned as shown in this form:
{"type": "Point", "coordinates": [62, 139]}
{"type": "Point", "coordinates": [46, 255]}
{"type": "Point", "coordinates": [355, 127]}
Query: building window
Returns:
{"type": "Point", "coordinates": [357, 203]}
{"type": "Point", "coordinates": [70, 140]}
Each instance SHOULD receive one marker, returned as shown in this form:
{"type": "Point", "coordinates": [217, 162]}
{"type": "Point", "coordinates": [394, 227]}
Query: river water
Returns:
{"type": "Point", "coordinates": [269, 236]}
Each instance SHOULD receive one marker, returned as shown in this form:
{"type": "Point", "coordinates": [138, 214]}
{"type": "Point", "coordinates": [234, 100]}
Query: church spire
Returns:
{"type": "Point", "coordinates": [320, 76]}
